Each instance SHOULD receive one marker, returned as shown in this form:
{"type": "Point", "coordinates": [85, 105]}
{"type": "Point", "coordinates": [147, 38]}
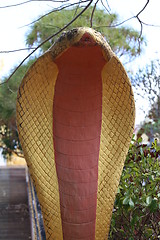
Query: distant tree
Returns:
{"type": "Point", "coordinates": [9, 141]}
{"type": "Point", "coordinates": [123, 40]}
{"type": "Point", "coordinates": [147, 85]}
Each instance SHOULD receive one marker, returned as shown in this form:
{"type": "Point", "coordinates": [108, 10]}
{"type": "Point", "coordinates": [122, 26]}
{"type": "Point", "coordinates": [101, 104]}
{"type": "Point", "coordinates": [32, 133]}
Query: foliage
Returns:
{"type": "Point", "coordinates": [8, 92]}
{"type": "Point", "coordinates": [123, 40]}
{"type": "Point", "coordinates": [136, 214]}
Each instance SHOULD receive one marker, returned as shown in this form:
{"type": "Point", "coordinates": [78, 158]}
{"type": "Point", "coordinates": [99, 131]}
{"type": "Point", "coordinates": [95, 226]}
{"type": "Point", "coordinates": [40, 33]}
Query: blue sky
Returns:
{"type": "Point", "coordinates": [12, 32]}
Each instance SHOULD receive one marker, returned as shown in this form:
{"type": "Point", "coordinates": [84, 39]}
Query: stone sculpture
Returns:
{"type": "Point", "coordinates": [75, 118]}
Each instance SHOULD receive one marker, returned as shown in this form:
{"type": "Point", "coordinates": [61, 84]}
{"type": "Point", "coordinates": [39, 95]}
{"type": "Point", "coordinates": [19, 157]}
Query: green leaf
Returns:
{"type": "Point", "coordinates": [153, 206]}
{"type": "Point", "coordinates": [150, 231]}
{"type": "Point", "coordinates": [148, 200]}
{"type": "Point", "coordinates": [118, 191]}
{"type": "Point", "coordinates": [135, 219]}
{"type": "Point", "coordinates": [125, 200]}
{"type": "Point", "coordinates": [126, 176]}
{"type": "Point", "coordinates": [139, 140]}
{"type": "Point", "coordinates": [131, 203]}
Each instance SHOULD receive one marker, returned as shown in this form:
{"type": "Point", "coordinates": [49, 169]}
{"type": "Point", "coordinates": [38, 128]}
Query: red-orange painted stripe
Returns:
{"type": "Point", "coordinates": [77, 115]}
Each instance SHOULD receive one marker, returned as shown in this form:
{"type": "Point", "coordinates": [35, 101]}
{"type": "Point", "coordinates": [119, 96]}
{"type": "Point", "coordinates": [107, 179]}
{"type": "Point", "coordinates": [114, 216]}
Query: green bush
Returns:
{"type": "Point", "coordinates": [136, 214]}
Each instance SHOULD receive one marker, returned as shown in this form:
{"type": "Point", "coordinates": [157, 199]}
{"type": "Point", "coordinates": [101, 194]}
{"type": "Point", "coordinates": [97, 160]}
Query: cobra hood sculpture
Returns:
{"type": "Point", "coordinates": [75, 118]}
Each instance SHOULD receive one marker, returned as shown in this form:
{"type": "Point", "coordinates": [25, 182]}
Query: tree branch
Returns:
{"type": "Point", "coordinates": [77, 7]}
{"type": "Point", "coordinates": [141, 23]}
{"type": "Point", "coordinates": [17, 50]}
{"type": "Point", "coordinates": [16, 5]}
{"type": "Point", "coordinates": [150, 25]}
{"type": "Point", "coordinates": [142, 8]}
{"type": "Point", "coordinates": [29, 1]}
{"type": "Point", "coordinates": [46, 40]}
{"type": "Point", "coordinates": [65, 6]}
{"type": "Point", "coordinates": [92, 14]}
{"type": "Point", "coordinates": [62, 7]}
{"type": "Point", "coordinates": [107, 9]}
{"type": "Point", "coordinates": [128, 19]}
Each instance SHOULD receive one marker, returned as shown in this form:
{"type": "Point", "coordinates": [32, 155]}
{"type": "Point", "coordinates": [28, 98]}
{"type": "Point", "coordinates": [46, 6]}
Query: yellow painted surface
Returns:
{"type": "Point", "coordinates": [34, 122]}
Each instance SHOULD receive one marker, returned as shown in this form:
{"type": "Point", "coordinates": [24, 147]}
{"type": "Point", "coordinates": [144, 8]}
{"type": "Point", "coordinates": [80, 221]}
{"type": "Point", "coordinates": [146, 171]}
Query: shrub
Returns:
{"type": "Point", "coordinates": [136, 214]}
